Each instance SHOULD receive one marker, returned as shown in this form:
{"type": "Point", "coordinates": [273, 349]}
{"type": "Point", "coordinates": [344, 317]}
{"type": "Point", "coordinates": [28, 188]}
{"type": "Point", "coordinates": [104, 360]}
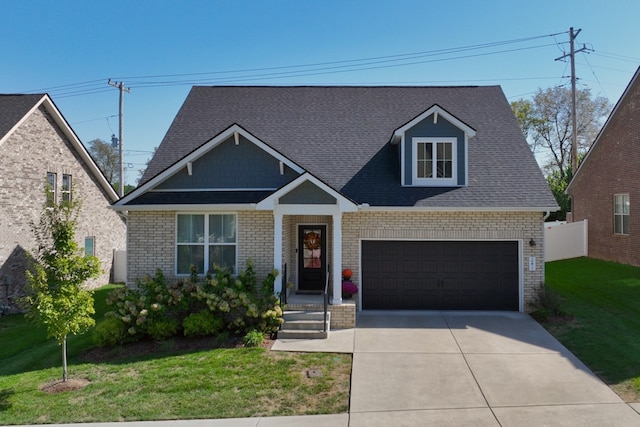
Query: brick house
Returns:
{"type": "Point", "coordinates": [430, 195]}
{"type": "Point", "coordinates": [607, 183]}
{"type": "Point", "coordinates": [37, 146]}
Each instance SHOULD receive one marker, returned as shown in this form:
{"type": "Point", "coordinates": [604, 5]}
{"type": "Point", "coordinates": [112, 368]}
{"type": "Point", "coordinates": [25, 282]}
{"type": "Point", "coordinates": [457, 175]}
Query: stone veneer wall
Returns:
{"type": "Point", "coordinates": [410, 225]}
{"type": "Point", "coordinates": [36, 147]}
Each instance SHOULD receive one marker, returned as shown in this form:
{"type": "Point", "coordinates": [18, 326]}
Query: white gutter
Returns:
{"type": "Point", "coordinates": [366, 207]}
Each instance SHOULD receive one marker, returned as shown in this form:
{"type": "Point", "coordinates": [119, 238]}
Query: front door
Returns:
{"type": "Point", "coordinates": [312, 244]}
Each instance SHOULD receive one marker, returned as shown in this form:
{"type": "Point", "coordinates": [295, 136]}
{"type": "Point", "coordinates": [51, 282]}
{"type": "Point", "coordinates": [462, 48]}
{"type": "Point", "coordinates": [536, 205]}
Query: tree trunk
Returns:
{"type": "Point", "coordinates": [64, 359]}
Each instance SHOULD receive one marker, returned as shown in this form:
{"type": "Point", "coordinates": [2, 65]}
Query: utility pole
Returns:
{"type": "Point", "coordinates": [574, 119]}
{"type": "Point", "coordinates": [120, 85]}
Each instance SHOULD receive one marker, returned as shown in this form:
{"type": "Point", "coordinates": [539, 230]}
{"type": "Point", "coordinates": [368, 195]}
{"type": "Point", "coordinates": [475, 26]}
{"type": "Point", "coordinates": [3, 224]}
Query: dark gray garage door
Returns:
{"type": "Point", "coordinates": [435, 275]}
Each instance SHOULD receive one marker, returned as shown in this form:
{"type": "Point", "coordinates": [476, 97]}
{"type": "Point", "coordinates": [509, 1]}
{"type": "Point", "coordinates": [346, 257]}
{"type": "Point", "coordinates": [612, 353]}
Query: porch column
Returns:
{"type": "Point", "coordinates": [277, 250]}
{"type": "Point", "coordinates": [337, 259]}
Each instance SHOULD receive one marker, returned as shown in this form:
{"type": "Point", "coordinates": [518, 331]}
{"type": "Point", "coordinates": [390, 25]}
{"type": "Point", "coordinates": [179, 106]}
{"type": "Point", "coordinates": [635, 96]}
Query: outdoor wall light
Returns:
{"type": "Point", "coordinates": [532, 242]}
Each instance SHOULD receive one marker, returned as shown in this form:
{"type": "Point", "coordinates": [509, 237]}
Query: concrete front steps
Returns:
{"type": "Point", "coordinates": [306, 325]}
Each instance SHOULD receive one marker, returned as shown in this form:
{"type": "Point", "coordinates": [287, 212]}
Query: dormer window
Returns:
{"type": "Point", "coordinates": [434, 150]}
{"type": "Point", "coordinates": [435, 161]}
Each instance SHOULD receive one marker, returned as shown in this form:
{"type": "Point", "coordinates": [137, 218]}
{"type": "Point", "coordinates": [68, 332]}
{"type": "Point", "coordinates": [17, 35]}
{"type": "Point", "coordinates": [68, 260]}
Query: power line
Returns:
{"type": "Point", "coordinates": [616, 56]}
{"type": "Point", "coordinates": [319, 71]}
{"type": "Point", "coordinates": [94, 120]}
{"type": "Point", "coordinates": [387, 58]}
{"type": "Point", "coordinates": [299, 70]}
{"type": "Point", "coordinates": [586, 57]}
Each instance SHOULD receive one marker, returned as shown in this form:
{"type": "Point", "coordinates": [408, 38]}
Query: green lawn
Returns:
{"type": "Point", "coordinates": [604, 300]}
{"type": "Point", "coordinates": [216, 383]}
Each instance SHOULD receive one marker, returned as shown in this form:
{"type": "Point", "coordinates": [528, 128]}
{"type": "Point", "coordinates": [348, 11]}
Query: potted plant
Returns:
{"type": "Point", "coordinates": [348, 289]}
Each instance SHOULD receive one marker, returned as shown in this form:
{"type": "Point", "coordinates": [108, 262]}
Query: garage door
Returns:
{"type": "Point", "coordinates": [436, 275]}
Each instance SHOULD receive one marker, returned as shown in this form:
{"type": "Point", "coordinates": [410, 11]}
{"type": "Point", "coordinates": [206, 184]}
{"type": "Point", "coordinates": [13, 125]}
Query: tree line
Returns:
{"type": "Point", "coordinates": [546, 122]}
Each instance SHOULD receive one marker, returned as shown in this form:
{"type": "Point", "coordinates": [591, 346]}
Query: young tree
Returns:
{"type": "Point", "coordinates": [56, 297]}
{"type": "Point", "coordinates": [546, 122]}
{"type": "Point", "coordinates": [107, 158]}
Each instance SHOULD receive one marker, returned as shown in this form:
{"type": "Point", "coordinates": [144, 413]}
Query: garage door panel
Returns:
{"type": "Point", "coordinates": [436, 275]}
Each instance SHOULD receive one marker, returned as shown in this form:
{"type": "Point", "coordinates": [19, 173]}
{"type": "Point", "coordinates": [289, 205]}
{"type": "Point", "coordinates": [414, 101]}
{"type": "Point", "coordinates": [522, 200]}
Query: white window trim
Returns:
{"type": "Point", "coordinates": [65, 193]}
{"type": "Point", "coordinates": [621, 214]}
{"type": "Point", "coordinates": [435, 182]}
{"type": "Point", "coordinates": [206, 242]}
{"type": "Point", "coordinates": [93, 245]}
{"type": "Point", "coordinates": [51, 189]}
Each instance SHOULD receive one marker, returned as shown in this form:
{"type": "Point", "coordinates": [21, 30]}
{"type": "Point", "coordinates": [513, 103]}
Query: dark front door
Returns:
{"type": "Point", "coordinates": [312, 244]}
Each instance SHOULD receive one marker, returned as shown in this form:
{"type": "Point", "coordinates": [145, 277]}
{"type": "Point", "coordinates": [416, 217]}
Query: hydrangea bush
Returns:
{"type": "Point", "coordinates": [197, 306]}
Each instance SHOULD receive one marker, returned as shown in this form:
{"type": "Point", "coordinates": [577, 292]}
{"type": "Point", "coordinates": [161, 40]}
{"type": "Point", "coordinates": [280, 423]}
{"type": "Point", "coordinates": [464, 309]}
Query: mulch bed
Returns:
{"type": "Point", "coordinates": [142, 349]}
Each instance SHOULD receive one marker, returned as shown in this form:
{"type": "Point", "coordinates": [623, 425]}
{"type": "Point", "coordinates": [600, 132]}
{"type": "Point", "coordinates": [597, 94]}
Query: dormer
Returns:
{"type": "Point", "coordinates": [433, 150]}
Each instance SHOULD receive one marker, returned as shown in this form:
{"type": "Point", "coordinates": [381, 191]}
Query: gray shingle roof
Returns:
{"type": "Point", "coordinates": [341, 135]}
{"type": "Point", "coordinates": [13, 108]}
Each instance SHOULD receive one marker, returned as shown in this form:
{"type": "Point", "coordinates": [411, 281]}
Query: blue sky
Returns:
{"type": "Point", "coordinates": [161, 48]}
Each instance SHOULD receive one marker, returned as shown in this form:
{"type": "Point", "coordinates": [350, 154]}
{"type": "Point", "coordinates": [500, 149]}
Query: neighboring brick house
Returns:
{"type": "Point", "coordinates": [606, 186]}
{"type": "Point", "coordinates": [430, 195]}
{"type": "Point", "coordinates": [37, 146]}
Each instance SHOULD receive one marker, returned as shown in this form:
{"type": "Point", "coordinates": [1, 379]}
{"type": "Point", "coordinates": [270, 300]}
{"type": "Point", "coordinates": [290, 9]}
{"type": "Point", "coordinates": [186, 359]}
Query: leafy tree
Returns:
{"type": "Point", "coordinates": [56, 297]}
{"type": "Point", "coordinates": [546, 122]}
{"type": "Point", "coordinates": [142, 171]}
{"type": "Point", "coordinates": [107, 158]}
{"type": "Point", "coordinates": [558, 183]}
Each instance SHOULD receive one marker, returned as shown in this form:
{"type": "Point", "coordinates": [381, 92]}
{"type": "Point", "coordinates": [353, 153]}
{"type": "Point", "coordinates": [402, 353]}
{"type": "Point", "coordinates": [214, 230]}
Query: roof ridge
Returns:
{"type": "Point", "coordinates": [344, 86]}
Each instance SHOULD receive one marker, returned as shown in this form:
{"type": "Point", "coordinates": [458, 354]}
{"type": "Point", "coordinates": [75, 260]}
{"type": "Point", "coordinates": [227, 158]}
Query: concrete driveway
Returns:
{"type": "Point", "coordinates": [472, 369]}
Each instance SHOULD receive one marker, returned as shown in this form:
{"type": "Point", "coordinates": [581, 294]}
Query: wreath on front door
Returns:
{"type": "Point", "coordinates": [312, 240]}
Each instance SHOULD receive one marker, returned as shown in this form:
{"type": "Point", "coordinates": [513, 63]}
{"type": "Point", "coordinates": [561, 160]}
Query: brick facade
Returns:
{"type": "Point", "coordinates": [152, 240]}
{"type": "Point", "coordinates": [612, 167]}
{"type": "Point", "coordinates": [152, 243]}
{"type": "Point", "coordinates": [520, 226]}
{"type": "Point", "coordinates": [36, 147]}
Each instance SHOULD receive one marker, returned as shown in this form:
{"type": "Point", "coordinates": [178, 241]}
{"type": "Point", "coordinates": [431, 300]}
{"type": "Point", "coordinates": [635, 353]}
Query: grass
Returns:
{"type": "Point", "coordinates": [215, 383]}
{"type": "Point", "coordinates": [603, 299]}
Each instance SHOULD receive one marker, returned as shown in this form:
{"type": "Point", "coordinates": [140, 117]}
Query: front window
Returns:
{"type": "Point", "coordinates": [89, 246]}
{"type": "Point", "coordinates": [51, 188]}
{"type": "Point", "coordinates": [434, 161]}
{"type": "Point", "coordinates": [66, 188]}
{"type": "Point", "coordinates": [205, 241]}
{"type": "Point", "coordinates": [621, 213]}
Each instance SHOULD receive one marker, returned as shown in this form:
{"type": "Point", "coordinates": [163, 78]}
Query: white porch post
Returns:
{"type": "Point", "coordinates": [337, 259]}
{"type": "Point", "coordinates": [277, 250]}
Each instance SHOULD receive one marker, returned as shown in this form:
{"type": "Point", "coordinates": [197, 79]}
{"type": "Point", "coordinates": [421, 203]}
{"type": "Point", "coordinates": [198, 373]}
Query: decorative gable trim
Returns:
{"type": "Point", "coordinates": [436, 110]}
{"type": "Point", "coordinates": [460, 151]}
{"type": "Point", "coordinates": [343, 204]}
{"type": "Point", "coordinates": [61, 122]}
{"type": "Point", "coordinates": [234, 131]}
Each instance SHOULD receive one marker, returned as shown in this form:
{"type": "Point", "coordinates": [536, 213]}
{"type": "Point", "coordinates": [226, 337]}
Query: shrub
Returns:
{"type": "Point", "coordinates": [110, 332]}
{"type": "Point", "coordinates": [235, 300]}
{"type": "Point", "coordinates": [161, 329]}
{"type": "Point", "coordinates": [253, 338]}
{"type": "Point", "coordinates": [546, 304]}
{"type": "Point", "coordinates": [197, 306]}
{"type": "Point", "coordinates": [202, 323]}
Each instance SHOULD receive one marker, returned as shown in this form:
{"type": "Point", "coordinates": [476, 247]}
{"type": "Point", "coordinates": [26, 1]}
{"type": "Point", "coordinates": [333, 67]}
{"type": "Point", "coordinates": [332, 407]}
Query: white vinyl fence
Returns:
{"type": "Point", "coordinates": [564, 240]}
{"type": "Point", "coordinates": [119, 266]}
